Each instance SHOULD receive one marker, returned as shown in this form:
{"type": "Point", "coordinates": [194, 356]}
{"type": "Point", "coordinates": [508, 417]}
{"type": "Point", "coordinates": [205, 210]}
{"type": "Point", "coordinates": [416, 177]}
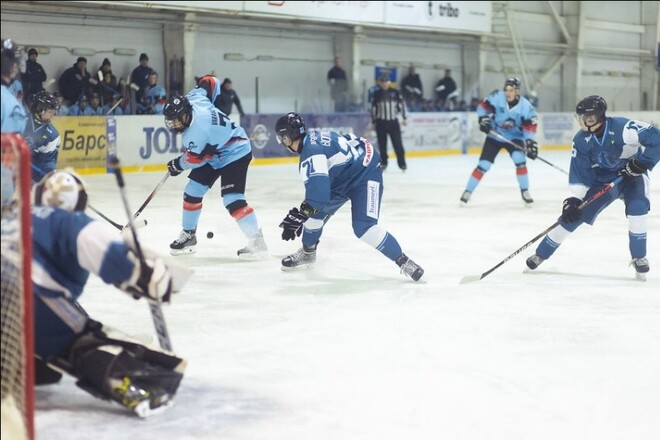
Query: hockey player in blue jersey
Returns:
{"type": "Point", "coordinates": [13, 113]}
{"type": "Point", "coordinates": [216, 148]}
{"type": "Point", "coordinates": [603, 149]}
{"type": "Point", "coordinates": [336, 168]}
{"type": "Point", "coordinates": [512, 116]}
{"type": "Point", "coordinates": [41, 135]}
{"type": "Point", "coordinates": [67, 246]}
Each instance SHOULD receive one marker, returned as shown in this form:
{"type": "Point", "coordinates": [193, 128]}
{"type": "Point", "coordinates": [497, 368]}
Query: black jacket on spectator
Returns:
{"type": "Point", "coordinates": [225, 101]}
{"type": "Point", "coordinates": [73, 84]}
{"type": "Point", "coordinates": [33, 78]}
{"type": "Point", "coordinates": [140, 76]}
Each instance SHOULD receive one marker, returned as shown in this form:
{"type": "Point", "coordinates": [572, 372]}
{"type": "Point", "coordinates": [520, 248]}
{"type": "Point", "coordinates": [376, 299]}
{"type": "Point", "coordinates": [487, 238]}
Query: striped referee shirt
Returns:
{"type": "Point", "coordinates": [387, 104]}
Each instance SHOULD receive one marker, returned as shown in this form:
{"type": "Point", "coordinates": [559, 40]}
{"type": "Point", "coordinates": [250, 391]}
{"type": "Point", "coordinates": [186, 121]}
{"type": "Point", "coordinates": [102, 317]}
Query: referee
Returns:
{"type": "Point", "coordinates": [387, 104]}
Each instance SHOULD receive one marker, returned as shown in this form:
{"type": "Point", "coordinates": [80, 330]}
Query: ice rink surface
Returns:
{"type": "Point", "coordinates": [353, 350]}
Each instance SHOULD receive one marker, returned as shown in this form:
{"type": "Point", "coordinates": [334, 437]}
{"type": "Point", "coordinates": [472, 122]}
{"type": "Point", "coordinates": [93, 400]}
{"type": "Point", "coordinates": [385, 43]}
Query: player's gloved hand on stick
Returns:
{"type": "Point", "coordinates": [532, 149]}
{"type": "Point", "coordinates": [570, 211]}
{"type": "Point", "coordinates": [174, 167]}
{"type": "Point", "coordinates": [292, 224]}
{"type": "Point", "coordinates": [151, 280]}
{"type": "Point", "coordinates": [633, 168]}
{"type": "Point", "coordinates": [485, 124]}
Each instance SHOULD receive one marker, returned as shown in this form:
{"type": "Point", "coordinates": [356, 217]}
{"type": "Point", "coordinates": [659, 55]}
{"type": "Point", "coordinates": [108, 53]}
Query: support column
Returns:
{"type": "Point", "coordinates": [189, 37]}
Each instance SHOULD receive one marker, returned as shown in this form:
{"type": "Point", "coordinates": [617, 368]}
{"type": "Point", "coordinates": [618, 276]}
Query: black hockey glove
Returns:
{"type": "Point", "coordinates": [571, 211]}
{"type": "Point", "coordinates": [633, 168]}
{"type": "Point", "coordinates": [292, 224]}
{"type": "Point", "coordinates": [174, 168]}
{"type": "Point", "coordinates": [485, 124]}
{"type": "Point", "coordinates": [151, 280]}
{"type": "Point", "coordinates": [532, 149]}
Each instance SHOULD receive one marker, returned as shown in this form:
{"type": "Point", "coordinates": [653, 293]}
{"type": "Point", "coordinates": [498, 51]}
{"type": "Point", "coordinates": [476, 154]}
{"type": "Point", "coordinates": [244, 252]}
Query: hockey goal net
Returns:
{"type": "Point", "coordinates": [17, 326]}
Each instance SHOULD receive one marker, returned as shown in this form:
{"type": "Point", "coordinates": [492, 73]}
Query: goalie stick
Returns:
{"type": "Point", "coordinates": [154, 306]}
{"type": "Point", "coordinates": [513, 144]}
{"type": "Point", "coordinates": [472, 278]}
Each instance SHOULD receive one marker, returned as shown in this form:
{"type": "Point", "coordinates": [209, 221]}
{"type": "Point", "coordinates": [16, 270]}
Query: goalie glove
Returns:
{"type": "Point", "coordinates": [292, 224]}
{"type": "Point", "coordinates": [174, 167]}
{"type": "Point", "coordinates": [633, 168]}
{"type": "Point", "coordinates": [150, 280]}
{"type": "Point", "coordinates": [532, 149]}
{"type": "Point", "coordinates": [485, 124]}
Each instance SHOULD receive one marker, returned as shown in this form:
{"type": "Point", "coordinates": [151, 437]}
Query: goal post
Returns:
{"type": "Point", "coordinates": [17, 306]}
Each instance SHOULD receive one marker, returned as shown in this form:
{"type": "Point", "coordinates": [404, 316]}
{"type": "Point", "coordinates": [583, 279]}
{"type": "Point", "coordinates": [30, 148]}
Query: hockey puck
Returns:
{"type": "Point", "coordinates": [209, 234]}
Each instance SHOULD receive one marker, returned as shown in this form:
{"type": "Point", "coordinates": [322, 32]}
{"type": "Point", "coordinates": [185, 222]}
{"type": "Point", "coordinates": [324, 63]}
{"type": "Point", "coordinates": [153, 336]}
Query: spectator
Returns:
{"type": "Point", "coordinates": [14, 116]}
{"type": "Point", "coordinates": [140, 76]}
{"type": "Point", "coordinates": [95, 105]}
{"type": "Point", "coordinates": [386, 107]}
{"type": "Point", "coordinates": [74, 82]}
{"type": "Point", "coordinates": [108, 82]}
{"type": "Point", "coordinates": [154, 98]}
{"type": "Point", "coordinates": [228, 97]}
{"type": "Point", "coordinates": [446, 86]}
{"type": "Point", "coordinates": [34, 75]}
{"type": "Point", "coordinates": [114, 106]}
{"type": "Point", "coordinates": [412, 90]}
{"type": "Point", "coordinates": [81, 108]}
{"type": "Point", "coordinates": [64, 110]}
{"type": "Point", "coordinates": [338, 86]}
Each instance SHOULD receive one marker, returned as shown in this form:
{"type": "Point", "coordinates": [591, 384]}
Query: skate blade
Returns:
{"type": "Point", "coordinates": [144, 410]}
{"type": "Point", "coordinates": [297, 268]}
{"type": "Point", "coordinates": [185, 251]}
{"type": "Point", "coordinates": [640, 276]}
{"type": "Point", "coordinates": [528, 205]}
{"type": "Point", "coordinates": [253, 256]}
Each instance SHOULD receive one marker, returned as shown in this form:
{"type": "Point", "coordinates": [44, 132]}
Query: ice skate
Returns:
{"type": "Point", "coordinates": [302, 259]}
{"type": "Point", "coordinates": [527, 197]}
{"type": "Point", "coordinates": [641, 266]}
{"type": "Point", "coordinates": [534, 261]}
{"type": "Point", "coordinates": [409, 268]}
{"type": "Point", "coordinates": [255, 250]}
{"type": "Point", "coordinates": [185, 244]}
{"type": "Point", "coordinates": [465, 198]}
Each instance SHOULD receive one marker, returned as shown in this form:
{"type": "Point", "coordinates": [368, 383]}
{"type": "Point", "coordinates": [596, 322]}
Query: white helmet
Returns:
{"type": "Point", "coordinates": [61, 189]}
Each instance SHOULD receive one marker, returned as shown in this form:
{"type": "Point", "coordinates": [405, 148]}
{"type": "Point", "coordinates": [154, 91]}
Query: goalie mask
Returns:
{"type": "Point", "coordinates": [60, 189]}
{"type": "Point", "coordinates": [590, 112]}
{"type": "Point", "coordinates": [178, 113]}
{"type": "Point", "coordinates": [291, 126]}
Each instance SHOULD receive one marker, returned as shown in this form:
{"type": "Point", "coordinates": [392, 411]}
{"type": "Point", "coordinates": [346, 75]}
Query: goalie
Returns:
{"type": "Point", "coordinates": [67, 246]}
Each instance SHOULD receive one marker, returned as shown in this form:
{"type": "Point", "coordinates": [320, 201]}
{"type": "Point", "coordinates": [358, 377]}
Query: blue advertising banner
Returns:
{"type": "Point", "coordinates": [260, 129]}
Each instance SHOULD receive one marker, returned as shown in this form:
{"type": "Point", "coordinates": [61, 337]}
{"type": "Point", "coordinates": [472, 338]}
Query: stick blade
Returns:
{"type": "Point", "coordinates": [470, 279]}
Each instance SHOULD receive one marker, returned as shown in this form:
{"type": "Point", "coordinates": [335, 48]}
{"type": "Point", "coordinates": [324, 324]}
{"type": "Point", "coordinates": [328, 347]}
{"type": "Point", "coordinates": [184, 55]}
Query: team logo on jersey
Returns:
{"type": "Point", "coordinates": [509, 124]}
{"type": "Point", "coordinates": [260, 136]}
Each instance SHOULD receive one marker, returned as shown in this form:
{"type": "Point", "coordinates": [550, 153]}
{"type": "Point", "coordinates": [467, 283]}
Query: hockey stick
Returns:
{"type": "Point", "coordinates": [151, 196]}
{"type": "Point", "coordinates": [114, 106]}
{"type": "Point", "coordinates": [472, 278]}
{"type": "Point", "coordinates": [154, 305]}
{"type": "Point", "coordinates": [513, 144]}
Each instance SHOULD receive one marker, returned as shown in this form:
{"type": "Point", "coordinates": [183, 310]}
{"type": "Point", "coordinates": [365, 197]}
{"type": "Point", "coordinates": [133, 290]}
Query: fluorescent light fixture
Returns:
{"type": "Point", "coordinates": [41, 50]}
{"type": "Point", "coordinates": [368, 62]}
{"type": "Point", "coordinates": [392, 63]}
{"type": "Point", "coordinates": [439, 66]}
{"type": "Point", "coordinates": [83, 51]}
{"type": "Point", "coordinates": [121, 51]}
{"type": "Point", "coordinates": [234, 57]}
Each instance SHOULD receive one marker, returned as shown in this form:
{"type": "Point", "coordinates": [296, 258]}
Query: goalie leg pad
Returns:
{"type": "Point", "coordinates": [136, 377]}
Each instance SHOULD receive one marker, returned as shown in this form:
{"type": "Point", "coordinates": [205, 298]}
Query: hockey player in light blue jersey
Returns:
{"type": "Point", "coordinates": [512, 116]}
{"type": "Point", "coordinates": [41, 135]}
{"type": "Point", "coordinates": [67, 246]}
{"type": "Point", "coordinates": [13, 113]}
{"type": "Point", "coordinates": [336, 168]}
{"type": "Point", "coordinates": [216, 148]}
{"type": "Point", "coordinates": [605, 148]}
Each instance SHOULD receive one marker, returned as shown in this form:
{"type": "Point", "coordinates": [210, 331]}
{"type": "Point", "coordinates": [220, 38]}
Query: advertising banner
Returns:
{"type": "Point", "coordinates": [143, 140]}
{"type": "Point", "coordinates": [338, 11]}
{"type": "Point", "coordinates": [260, 129]}
{"type": "Point", "coordinates": [83, 142]}
{"type": "Point", "coordinates": [468, 16]}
